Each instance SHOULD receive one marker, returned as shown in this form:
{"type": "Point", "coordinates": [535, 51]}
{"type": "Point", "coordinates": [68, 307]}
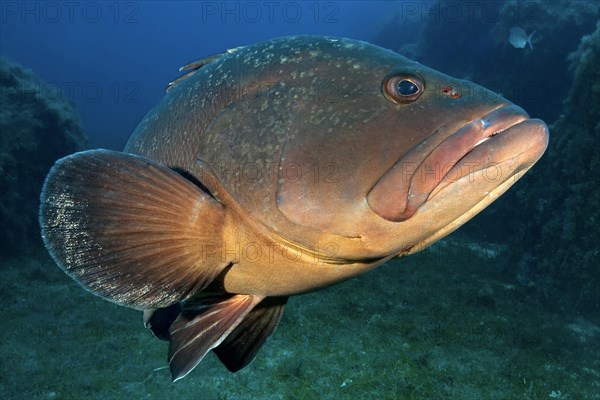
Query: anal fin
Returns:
{"type": "Point", "coordinates": [203, 325]}
{"type": "Point", "coordinates": [242, 345]}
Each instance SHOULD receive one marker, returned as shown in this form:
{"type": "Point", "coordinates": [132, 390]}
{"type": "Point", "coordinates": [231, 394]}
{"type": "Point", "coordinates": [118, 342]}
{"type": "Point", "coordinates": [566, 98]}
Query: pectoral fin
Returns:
{"type": "Point", "coordinates": [130, 230]}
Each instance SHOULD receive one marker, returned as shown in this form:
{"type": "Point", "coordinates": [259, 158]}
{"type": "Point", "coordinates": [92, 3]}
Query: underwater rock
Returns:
{"type": "Point", "coordinates": [552, 214]}
{"type": "Point", "coordinates": [540, 78]}
{"type": "Point", "coordinates": [470, 40]}
{"type": "Point", "coordinates": [37, 126]}
{"type": "Point", "coordinates": [560, 210]}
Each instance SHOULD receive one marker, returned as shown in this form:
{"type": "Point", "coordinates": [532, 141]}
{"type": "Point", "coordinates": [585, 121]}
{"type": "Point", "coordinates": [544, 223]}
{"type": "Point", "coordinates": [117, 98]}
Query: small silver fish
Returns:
{"type": "Point", "coordinates": [518, 38]}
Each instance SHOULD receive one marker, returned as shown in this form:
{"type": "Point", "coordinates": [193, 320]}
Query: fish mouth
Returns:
{"type": "Point", "coordinates": [479, 146]}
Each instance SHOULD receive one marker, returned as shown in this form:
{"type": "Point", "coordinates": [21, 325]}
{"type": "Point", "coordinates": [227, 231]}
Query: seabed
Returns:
{"type": "Point", "coordinates": [445, 323]}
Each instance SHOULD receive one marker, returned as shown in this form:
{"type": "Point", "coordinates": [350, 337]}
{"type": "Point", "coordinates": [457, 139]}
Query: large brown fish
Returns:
{"type": "Point", "coordinates": [273, 170]}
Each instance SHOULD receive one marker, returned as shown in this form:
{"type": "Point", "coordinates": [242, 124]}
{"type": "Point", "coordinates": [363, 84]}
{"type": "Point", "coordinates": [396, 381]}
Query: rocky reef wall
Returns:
{"type": "Point", "coordinates": [37, 126]}
{"type": "Point", "coordinates": [549, 219]}
{"type": "Point", "coordinates": [557, 247]}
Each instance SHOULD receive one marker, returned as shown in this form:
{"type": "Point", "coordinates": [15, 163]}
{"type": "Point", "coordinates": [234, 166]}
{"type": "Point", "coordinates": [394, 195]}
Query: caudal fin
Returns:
{"type": "Point", "coordinates": [130, 230]}
{"type": "Point", "coordinates": [529, 40]}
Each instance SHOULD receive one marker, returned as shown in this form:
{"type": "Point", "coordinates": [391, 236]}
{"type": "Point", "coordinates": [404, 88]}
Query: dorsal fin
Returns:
{"type": "Point", "coordinates": [196, 65]}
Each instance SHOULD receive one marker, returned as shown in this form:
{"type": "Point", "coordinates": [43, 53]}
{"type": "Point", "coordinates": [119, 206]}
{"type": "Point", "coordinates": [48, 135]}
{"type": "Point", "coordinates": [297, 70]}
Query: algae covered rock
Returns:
{"type": "Point", "coordinates": [550, 218]}
{"type": "Point", "coordinates": [37, 126]}
{"type": "Point", "coordinates": [557, 249]}
{"type": "Point", "coordinates": [470, 40]}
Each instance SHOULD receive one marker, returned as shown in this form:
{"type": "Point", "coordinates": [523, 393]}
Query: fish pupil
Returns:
{"type": "Point", "coordinates": [407, 88]}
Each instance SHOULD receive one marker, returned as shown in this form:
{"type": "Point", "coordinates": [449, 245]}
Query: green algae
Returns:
{"type": "Point", "coordinates": [446, 323]}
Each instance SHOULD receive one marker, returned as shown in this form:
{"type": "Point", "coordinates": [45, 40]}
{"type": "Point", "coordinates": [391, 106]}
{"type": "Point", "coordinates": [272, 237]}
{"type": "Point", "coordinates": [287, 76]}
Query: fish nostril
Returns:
{"type": "Point", "coordinates": [451, 92]}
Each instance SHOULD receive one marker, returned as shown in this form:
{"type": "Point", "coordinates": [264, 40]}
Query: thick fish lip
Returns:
{"type": "Point", "coordinates": [477, 145]}
{"type": "Point", "coordinates": [511, 150]}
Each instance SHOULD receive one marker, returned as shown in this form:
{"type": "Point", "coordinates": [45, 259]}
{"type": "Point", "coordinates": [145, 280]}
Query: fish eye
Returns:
{"type": "Point", "coordinates": [403, 88]}
{"type": "Point", "coordinates": [407, 87]}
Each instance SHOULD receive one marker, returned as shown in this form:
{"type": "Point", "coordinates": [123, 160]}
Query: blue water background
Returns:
{"type": "Point", "coordinates": [114, 59]}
